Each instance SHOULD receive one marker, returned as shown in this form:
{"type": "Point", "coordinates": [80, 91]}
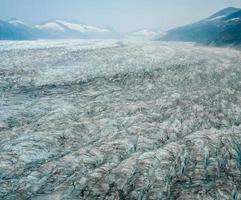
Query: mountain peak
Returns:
{"type": "Point", "coordinates": [221, 28]}
{"type": "Point", "coordinates": [12, 19]}
{"type": "Point", "coordinates": [15, 21]}
{"type": "Point", "coordinates": [224, 12]}
{"type": "Point", "coordinates": [66, 25]}
{"type": "Point", "coordinates": [51, 25]}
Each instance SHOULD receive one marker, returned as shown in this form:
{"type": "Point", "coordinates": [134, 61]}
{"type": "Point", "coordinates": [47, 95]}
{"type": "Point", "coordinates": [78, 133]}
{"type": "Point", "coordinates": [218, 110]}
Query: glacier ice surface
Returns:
{"type": "Point", "coordinates": [94, 119]}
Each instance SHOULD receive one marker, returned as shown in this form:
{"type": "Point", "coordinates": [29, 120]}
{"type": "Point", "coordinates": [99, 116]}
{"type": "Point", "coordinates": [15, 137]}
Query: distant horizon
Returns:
{"type": "Point", "coordinates": [122, 16]}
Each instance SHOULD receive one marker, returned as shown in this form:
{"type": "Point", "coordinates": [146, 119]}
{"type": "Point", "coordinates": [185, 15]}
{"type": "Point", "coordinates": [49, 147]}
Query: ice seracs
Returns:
{"type": "Point", "coordinates": [94, 120]}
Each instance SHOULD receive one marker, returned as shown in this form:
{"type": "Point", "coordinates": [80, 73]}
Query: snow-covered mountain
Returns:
{"type": "Point", "coordinates": [15, 29]}
{"type": "Point", "coordinates": [224, 27]}
{"type": "Point", "coordinates": [66, 29]}
{"type": "Point", "coordinates": [17, 22]}
{"type": "Point", "coordinates": [146, 34]}
{"type": "Point", "coordinates": [223, 13]}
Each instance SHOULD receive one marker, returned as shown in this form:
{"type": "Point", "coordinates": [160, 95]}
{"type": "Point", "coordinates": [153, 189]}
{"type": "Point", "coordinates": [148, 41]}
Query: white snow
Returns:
{"type": "Point", "coordinates": [216, 18]}
{"type": "Point", "coordinates": [16, 22]}
{"type": "Point", "coordinates": [145, 32]}
{"type": "Point", "coordinates": [81, 28]}
{"type": "Point", "coordinates": [51, 26]}
{"type": "Point", "coordinates": [234, 19]}
{"type": "Point", "coordinates": [60, 25]}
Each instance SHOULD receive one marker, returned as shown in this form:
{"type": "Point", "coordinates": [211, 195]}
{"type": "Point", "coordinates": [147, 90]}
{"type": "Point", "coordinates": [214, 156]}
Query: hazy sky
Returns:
{"type": "Point", "coordinates": [123, 15]}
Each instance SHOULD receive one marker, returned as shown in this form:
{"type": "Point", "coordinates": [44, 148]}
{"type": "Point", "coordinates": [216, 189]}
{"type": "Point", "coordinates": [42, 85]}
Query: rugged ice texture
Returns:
{"type": "Point", "coordinates": [120, 121]}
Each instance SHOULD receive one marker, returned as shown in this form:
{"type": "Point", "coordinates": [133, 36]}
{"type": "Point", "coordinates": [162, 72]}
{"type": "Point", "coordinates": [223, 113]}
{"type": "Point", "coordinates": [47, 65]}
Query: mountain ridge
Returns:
{"type": "Point", "coordinates": [14, 29]}
{"type": "Point", "coordinates": [221, 28]}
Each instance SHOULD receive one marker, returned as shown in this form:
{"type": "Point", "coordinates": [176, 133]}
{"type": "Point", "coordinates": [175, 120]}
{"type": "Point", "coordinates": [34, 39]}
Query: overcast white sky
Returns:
{"type": "Point", "coordinates": [122, 15]}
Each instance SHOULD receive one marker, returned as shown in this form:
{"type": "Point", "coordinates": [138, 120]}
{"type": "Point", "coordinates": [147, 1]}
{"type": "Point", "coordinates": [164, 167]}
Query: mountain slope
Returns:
{"type": "Point", "coordinates": [35, 33]}
{"type": "Point", "coordinates": [15, 31]}
{"type": "Point", "coordinates": [231, 32]}
{"type": "Point", "coordinates": [224, 12]}
{"type": "Point", "coordinates": [67, 29]}
{"type": "Point", "coordinates": [221, 28]}
{"type": "Point", "coordinates": [146, 34]}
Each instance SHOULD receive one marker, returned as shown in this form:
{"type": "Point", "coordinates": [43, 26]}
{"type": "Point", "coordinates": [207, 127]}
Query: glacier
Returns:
{"type": "Point", "coordinates": [109, 119]}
